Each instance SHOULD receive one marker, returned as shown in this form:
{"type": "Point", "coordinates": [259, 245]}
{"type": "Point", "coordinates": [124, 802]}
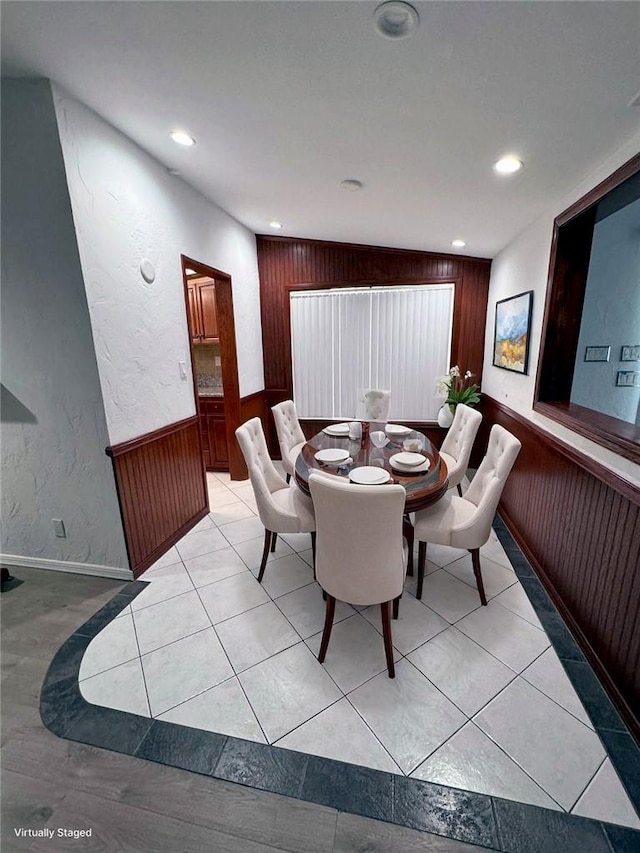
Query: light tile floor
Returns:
{"type": "Point", "coordinates": [480, 700]}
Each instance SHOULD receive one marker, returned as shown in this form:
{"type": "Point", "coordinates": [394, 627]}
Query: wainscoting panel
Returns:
{"type": "Point", "coordinates": [254, 406]}
{"type": "Point", "coordinates": [286, 263]}
{"type": "Point", "coordinates": [579, 526]}
{"type": "Point", "coordinates": [162, 489]}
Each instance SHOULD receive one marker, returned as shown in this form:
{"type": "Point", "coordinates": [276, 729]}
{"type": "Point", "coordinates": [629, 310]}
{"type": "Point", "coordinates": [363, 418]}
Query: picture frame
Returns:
{"type": "Point", "coordinates": [597, 353]}
{"type": "Point", "coordinates": [628, 379]}
{"type": "Point", "coordinates": [630, 352]}
{"type": "Point", "coordinates": [512, 332]}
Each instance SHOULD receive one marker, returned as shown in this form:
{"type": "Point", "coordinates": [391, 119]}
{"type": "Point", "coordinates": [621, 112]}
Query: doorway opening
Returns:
{"type": "Point", "coordinates": [214, 364]}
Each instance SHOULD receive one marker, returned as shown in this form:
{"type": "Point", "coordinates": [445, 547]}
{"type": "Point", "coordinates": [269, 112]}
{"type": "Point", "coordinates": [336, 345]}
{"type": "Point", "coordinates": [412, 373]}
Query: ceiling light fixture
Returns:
{"type": "Point", "coordinates": [189, 271]}
{"type": "Point", "coordinates": [274, 224]}
{"type": "Point", "coordinates": [182, 138]}
{"type": "Point", "coordinates": [508, 165]}
{"type": "Point", "coordinates": [459, 244]}
{"type": "Point", "coordinates": [396, 20]}
{"type": "Point", "coordinates": [351, 185]}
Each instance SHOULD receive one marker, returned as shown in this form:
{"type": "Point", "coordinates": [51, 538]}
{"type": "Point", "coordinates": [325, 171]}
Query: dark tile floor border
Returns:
{"type": "Point", "coordinates": [503, 825]}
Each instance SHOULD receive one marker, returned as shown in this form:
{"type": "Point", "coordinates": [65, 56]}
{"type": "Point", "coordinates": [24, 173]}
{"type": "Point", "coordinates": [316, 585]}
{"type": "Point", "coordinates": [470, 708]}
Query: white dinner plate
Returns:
{"type": "Point", "coordinates": [409, 469]}
{"type": "Point", "coordinates": [397, 429]}
{"type": "Point", "coordinates": [332, 456]}
{"type": "Point", "coordinates": [337, 429]}
{"type": "Point", "coordinates": [409, 460]}
{"type": "Point", "coordinates": [369, 475]}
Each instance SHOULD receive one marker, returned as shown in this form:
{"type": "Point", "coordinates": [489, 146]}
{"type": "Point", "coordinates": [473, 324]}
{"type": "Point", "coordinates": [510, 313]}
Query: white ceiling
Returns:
{"type": "Point", "coordinates": [286, 99]}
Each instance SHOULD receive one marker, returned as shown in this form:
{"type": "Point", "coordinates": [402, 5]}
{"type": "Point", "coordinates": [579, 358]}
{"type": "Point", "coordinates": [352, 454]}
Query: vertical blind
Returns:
{"type": "Point", "coordinates": [396, 338]}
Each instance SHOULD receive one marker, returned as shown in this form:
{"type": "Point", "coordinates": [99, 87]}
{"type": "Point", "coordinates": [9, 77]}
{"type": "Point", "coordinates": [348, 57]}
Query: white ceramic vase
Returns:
{"type": "Point", "coordinates": [445, 416]}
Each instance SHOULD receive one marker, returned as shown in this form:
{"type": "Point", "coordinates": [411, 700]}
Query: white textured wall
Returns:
{"type": "Point", "coordinates": [524, 265]}
{"type": "Point", "coordinates": [127, 207]}
{"type": "Point", "coordinates": [615, 262]}
{"type": "Point", "coordinates": [53, 423]}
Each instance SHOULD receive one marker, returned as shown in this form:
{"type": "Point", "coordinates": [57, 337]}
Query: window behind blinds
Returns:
{"type": "Point", "coordinates": [396, 338]}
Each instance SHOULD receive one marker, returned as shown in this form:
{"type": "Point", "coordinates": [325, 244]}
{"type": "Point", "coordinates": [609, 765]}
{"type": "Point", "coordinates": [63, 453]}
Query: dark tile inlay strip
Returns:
{"type": "Point", "coordinates": [595, 700]}
{"type": "Point", "coordinates": [61, 704]}
{"type": "Point", "coordinates": [115, 730]}
{"type": "Point", "coordinates": [625, 757]}
{"type": "Point", "coordinates": [349, 788]}
{"type": "Point", "coordinates": [528, 829]}
{"type": "Point", "coordinates": [621, 839]}
{"type": "Point", "coordinates": [462, 815]}
{"type": "Point", "coordinates": [258, 765]}
{"type": "Point", "coordinates": [105, 615]}
{"type": "Point", "coordinates": [179, 746]}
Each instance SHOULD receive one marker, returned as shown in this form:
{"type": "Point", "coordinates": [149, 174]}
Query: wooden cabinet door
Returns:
{"type": "Point", "coordinates": [204, 434]}
{"type": "Point", "coordinates": [209, 328]}
{"type": "Point", "coordinates": [218, 442]}
{"type": "Point", "coordinates": [194, 313]}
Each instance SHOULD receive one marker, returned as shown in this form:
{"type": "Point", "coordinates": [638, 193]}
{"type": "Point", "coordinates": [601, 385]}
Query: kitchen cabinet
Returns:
{"type": "Point", "coordinates": [213, 430]}
{"type": "Point", "coordinates": [203, 318]}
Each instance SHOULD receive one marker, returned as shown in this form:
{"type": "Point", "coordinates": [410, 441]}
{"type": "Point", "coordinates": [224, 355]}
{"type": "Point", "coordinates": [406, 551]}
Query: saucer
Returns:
{"type": "Point", "coordinates": [397, 429]}
{"type": "Point", "coordinates": [410, 469]}
{"type": "Point", "coordinates": [369, 475]}
{"type": "Point", "coordinates": [407, 459]}
{"type": "Point", "coordinates": [337, 429]}
{"type": "Point", "coordinates": [332, 456]}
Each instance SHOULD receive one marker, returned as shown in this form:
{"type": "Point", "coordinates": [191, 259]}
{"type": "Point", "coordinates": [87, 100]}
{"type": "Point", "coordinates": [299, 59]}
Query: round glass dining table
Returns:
{"type": "Point", "coordinates": [422, 489]}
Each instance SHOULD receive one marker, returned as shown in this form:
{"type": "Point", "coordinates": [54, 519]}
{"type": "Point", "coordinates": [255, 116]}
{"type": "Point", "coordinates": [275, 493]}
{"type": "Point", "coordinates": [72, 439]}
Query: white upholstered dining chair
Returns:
{"type": "Point", "coordinates": [282, 508]}
{"type": "Point", "coordinates": [373, 405]}
{"type": "Point", "coordinates": [360, 553]}
{"type": "Point", "coordinates": [290, 436]}
{"type": "Point", "coordinates": [465, 522]}
{"type": "Point", "coordinates": [458, 443]}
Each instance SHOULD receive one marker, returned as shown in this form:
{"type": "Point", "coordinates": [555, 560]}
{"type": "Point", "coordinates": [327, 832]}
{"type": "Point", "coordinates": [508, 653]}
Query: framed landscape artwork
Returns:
{"type": "Point", "coordinates": [512, 332]}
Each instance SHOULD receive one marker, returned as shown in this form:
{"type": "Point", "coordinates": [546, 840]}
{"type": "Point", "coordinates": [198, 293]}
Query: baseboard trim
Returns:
{"type": "Point", "coordinates": [17, 561]}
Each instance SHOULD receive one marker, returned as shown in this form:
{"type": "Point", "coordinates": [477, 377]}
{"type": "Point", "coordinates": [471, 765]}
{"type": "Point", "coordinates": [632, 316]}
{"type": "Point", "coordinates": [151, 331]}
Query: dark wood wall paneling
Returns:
{"type": "Point", "coordinates": [579, 525]}
{"type": "Point", "coordinates": [162, 489]}
{"type": "Point", "coordinates": [253, 406]}
{"type": "Point", "coordinates": [286, 263]}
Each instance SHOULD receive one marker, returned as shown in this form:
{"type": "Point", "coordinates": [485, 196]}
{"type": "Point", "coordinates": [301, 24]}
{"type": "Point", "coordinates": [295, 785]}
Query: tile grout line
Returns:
{"type": "Point", "coordinates": [593, 776]}
{"type": "Point", "coordinates": [392, 781]}
{"type": "Point", "coordinates": [467, 719]}
{"type": "Point", "coordinates": [233, 669]}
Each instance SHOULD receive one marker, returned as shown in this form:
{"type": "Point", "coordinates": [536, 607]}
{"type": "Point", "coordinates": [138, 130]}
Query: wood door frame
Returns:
{"type": "Point", "coordinates": [228, 357]}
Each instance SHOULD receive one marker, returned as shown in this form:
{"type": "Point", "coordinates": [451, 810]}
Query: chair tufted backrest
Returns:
{"type": "Point", "coordinates": [373, 405]}
{"type": "Point", "coordinates": [287, 427]}
{"type": "Point", "coordinates": [359, 546]}
{"type": "Point", "coordinates": [489, 481]}
{"type": "Point", "coordinates": [458, 442]}
{"type": "Point", "coordinates": [262, 472]}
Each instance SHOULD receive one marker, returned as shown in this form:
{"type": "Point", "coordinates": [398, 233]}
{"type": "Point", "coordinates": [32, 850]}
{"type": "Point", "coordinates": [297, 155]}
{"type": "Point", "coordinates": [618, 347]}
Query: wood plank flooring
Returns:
{"type": "Point", "coordinates": [131, 804]}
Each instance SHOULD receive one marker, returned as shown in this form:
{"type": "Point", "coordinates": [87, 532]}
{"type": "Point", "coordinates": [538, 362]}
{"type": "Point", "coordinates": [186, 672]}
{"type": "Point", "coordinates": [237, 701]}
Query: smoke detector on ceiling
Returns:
{"type": "Point", "coordinates": [351, 185]}
{"type": "Point", "coordinates": [396, 20]}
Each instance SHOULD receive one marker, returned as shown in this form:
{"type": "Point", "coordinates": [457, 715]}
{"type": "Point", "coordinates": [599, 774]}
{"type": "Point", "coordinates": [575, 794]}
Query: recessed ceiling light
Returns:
{"type": "Point", "coordinates": [396, 20]}
{"type": "Point", "coordinates": [459, 244]}
{"type": "Point", "coordinates": [189, 271]}
{"type": "Point", "coordinates": [182, 138]}
{"type": "Point", "coordinates": [351, 186]}
{"type": "Point", "coordinates": [508, 165]}
{"type": "Point", "coordinates": [274, 224]}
